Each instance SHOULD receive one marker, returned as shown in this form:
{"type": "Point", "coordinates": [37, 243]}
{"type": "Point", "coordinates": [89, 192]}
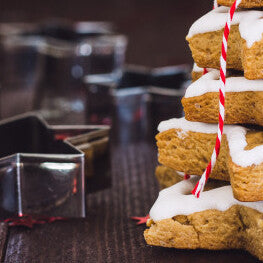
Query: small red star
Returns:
{"type": "Point", "coordinates": [141, 220]}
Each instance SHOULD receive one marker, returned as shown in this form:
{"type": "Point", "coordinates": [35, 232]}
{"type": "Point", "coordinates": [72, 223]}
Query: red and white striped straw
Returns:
{"type": "Point", "coordinates": [221, 117]}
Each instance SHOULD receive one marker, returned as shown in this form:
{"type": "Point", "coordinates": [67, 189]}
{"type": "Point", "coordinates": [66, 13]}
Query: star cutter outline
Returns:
{"type": "Point", "coordinates": [42, 167]}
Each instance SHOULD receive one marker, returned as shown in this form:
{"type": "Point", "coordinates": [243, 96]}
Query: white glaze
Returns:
{"type": "Point", "coordinates": [198, 69]}
{"type": "Point", "coordinates": [178, 200]}
{"type": "Point", "coordinates": [216, 20]}
{"type": "Point", "coordinates": [210, 83]}
{"type": "Point", "coordinates": [236, 137]}
{"type": "Point", "coordinates": [186, 126]}
{"type": "Point", "coordinates": [251, 30]}
{"type": "Point", "coordinates": [180, 173]}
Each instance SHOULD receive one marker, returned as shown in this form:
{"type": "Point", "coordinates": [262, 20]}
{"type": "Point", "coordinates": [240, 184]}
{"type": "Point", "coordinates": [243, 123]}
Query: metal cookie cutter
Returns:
{"type": "Point", "coordinates": [137, 102]}
{"type": "Point", "coordinates": [42, 167]}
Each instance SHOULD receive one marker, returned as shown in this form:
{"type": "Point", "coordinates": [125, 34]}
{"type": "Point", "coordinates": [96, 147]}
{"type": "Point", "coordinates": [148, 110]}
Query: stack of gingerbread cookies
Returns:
{"type": "Point", "coordinates": [229, 213]}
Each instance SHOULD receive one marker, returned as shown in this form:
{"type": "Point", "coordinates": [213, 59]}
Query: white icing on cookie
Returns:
{"type": "Point", "coordinates": [216, 20]}
{"type": "Point", "coordinates": [236, 137]}
{"type": "Point", "coordinates": [178, 200]}
{"type": "Point", "coordinates": [198, 69]}
{"type": "Point", "coordinates": [180, 173]}
{"type": "Point", "coordinates": [251, 30]}
{"type": "Point", "coordinates": [210, 83]}
{"type": "Point", "coordinates": [186, 126]}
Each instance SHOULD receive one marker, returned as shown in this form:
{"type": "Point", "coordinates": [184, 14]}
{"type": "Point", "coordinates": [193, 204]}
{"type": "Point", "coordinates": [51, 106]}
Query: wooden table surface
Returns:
{"type": "Point", "coordinates": [107, 234]}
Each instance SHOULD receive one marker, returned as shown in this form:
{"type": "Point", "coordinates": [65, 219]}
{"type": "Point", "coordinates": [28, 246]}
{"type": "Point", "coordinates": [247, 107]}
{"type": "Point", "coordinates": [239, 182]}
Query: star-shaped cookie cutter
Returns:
{"type": "Point", "coordinates": [42, 167]}
{"type": "Point", "coordinates": [136, 102]}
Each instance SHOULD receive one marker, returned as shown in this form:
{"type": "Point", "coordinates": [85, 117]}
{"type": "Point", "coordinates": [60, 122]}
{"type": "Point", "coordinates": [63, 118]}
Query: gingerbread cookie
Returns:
{"type": "Point", "coordinates": [245, 39]}
{"type": "Point", "coordinates": [187, 146]}
{"type": "Point", "coordinates": [243, 103]}
{"type": "Point", "coordinates": [243, 4]}
{"type": "Point", "coordinates": [188, 151]}
{"type": "Point", "coordinates": [214, 221]}
{"type": "Point", "coordinates": [167, 177]}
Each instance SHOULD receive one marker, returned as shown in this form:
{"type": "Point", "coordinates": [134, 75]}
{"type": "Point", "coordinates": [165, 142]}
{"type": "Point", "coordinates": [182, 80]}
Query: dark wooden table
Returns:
{"type": "Point", "coordinates": [107, 234]}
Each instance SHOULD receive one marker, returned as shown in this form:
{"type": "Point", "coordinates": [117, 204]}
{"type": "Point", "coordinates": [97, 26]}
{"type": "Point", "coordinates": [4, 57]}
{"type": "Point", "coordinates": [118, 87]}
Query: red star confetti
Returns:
{"type": "Point", "coordinates": [141, 220]}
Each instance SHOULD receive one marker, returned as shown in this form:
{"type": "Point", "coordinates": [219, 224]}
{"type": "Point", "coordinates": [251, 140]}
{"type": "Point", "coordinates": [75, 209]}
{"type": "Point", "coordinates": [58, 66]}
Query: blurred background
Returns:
{"type": "Point", "coordinates": [156, 29]}
{"type": "Point", "coordinates": [124, 63]}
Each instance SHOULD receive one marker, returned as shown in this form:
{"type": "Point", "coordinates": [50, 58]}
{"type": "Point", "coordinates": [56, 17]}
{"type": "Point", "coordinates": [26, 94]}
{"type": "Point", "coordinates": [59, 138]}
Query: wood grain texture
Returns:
{"type": "Point", "coordinates": [108, 234]}
{"type": "Point", "coordinates": [3, 239]}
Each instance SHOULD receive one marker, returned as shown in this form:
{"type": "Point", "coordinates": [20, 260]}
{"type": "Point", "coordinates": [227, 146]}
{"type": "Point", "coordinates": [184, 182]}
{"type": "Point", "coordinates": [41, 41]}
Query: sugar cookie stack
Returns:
{"type": "Point", "coordinates": [229, 214]}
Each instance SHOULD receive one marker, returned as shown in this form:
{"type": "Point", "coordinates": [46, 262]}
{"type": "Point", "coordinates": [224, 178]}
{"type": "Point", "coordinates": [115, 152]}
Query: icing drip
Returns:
{"type": "Point", "coordinates": [236, 138]}
{"type": "Point", "coordinates": [210, 83]}
{"type": "Point", "coordinates": [185, 126]}
{"type": "Point", "coordinates": [177, 200]}
{"type": "Point", "coordinates": [198, 69]}
{"type": "Point", "coordinates": [216, 19]}
{"type": "Point", "coordinates": [251, 30]}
